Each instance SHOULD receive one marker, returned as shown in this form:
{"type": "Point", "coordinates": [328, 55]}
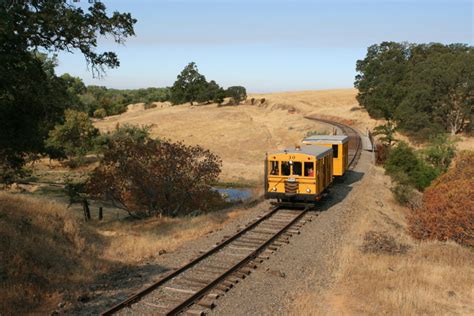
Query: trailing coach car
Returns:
{"type": "Point", "coordinates": [340, 150]}
{"type": "Point", "coordinates": [298, 174]}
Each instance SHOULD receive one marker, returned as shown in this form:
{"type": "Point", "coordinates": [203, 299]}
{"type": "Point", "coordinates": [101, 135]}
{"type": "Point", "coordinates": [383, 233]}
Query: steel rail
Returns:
{"type": "Point", "coordinates": [137, 296]}
{"type": "Point", "coordinates": [182, 306]}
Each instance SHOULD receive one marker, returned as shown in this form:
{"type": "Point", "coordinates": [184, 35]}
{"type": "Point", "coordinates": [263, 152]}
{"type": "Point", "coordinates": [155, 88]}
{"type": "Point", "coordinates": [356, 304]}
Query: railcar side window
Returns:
{"type": "Point", "coordinates": [285, 168]}
{"type": "Point", "coordinates": [274, 168]}
{"type": "Point", "coordinates": [297, 168]}
{"type": "Point", "coordinates": [309, 169]}
{"type": "Point", "coordinates": [335, 150]}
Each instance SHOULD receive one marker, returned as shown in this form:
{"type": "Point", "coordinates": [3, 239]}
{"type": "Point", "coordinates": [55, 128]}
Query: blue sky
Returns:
{"type": "Point", "coordinates": [267, 45]}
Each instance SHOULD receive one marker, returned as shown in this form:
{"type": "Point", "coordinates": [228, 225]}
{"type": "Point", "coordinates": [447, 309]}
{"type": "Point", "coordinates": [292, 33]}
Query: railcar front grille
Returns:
{"type": "Point", "coordinates": [291, 188]}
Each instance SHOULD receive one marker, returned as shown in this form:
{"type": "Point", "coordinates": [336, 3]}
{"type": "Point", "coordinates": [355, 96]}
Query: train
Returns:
{"type": "Point", "coordinates": [305, 172]}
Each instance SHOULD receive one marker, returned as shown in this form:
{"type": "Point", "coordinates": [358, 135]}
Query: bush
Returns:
{"type": "Point", "coordinates": [403, 193]}
{"type": "Point", "coordinates": [100, 113]}
{"type": "Point", "coordinates": [381, 153]}
{"type": "Point", "coordinates": [237, 94]}
{"type": "Point", "coordinates": [448, 205]}
{"type": "Point", "coordinates": [147, 177]}
{"type": "Point", "coordinates": [440, 152]}
{"type": "Point", "coordinates": [403, 165]}
{"type": "Point", "coordinates": [11, 167]}
{"type": "Point", "coordinates": [75, 137]}
{"type": "Point", "coordinates": [149, 105]}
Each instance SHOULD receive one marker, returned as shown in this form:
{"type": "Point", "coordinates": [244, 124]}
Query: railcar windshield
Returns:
{"type": "Point", "coordinates": [285, 168]}
{"type": "Point", "coordinates": [274, 169]}
{"type": "Point", "coordinates": [297, 168]}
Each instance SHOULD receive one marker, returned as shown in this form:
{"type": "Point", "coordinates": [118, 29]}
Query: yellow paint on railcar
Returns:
{"type": "Point", "coordinates": [340, 148]}
{"type": "Point", "coordinates": [301, 174]}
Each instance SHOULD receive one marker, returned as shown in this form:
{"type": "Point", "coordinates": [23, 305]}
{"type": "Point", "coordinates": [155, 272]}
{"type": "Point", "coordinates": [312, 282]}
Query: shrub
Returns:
{"type": "Point", "coordinates": [382, 152]}
{"type": "Point", "coordinates": [237, 94]}
{"type": "Point", "coordinates": [403, 193]}
{"type": "Point", "coordinates": [75, 137]}
{"type": "Point", "coordinates": [448, 205]}
{"type": "Point", "coordinates": [100, 113]}
{"type": "Point", "coordinates": [311, 133]}
{"type": "Point", "coordinates": [147, 177]}
{"type": "Point", "coordinates": [150, 105]}
{"type": "Point", "coordinates": [403, 165]}
{"type": "Point", "coordinates": [440, 152]}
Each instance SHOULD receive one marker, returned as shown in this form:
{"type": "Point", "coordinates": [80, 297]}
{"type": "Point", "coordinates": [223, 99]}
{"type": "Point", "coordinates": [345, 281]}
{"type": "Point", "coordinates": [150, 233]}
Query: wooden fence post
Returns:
{"type": "Point", "coordinates": [87, 212]}
{"type": "Point", "coordinates": [101, 213]}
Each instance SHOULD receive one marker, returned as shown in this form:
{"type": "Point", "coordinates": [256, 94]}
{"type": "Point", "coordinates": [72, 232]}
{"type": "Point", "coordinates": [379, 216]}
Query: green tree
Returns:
{"type": "Point", "coordinates": [387, 132]}
{"type": "Point", "coordinates": [237, 94]}
{"type": "Point", "coordinates": [188, 85]}
{"type": "Point", "coordinates": [76, 137]}
{"type": "Point", "coordinates": [440, 83]}
{"type": "Point", "coordinates": [380, 78]}
{"type": "Point", "coordinates": [211, 92]}
{"type": "Point", "coordinates": [32, 97]}
{"type": "Point", "coordinates": [424, 88]}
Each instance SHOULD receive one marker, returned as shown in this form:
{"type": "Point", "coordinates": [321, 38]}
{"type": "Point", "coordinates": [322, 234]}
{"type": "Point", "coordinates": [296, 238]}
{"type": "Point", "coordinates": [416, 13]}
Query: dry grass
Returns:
{"type": "Point", "coordinates": [429, 278]}
{"type": "Point", "coordinates": [42, 249]}
{"type": "Point", "coordinates": [134, 241]}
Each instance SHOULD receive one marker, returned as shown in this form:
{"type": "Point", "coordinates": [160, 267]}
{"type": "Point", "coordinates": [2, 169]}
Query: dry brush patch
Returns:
{"type": "Point", "coordinates": [448, 205]}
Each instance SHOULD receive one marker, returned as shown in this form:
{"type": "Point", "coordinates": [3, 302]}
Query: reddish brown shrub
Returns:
{"type": "Point", "coordinates": [448, 205]}
{"type": "Point", "coordinates": [382, 152]}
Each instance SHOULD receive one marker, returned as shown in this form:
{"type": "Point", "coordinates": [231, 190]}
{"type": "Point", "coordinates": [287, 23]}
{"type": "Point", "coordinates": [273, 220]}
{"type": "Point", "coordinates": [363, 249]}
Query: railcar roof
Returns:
{"type": "Point", "coordinates": [326, 139]}
{"type": "Point", "coordinates": [312, 150]}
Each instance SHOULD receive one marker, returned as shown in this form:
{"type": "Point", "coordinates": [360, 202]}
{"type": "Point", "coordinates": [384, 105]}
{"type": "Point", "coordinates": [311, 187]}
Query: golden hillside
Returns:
{"type": "Point", "coordinates": [241, 135]}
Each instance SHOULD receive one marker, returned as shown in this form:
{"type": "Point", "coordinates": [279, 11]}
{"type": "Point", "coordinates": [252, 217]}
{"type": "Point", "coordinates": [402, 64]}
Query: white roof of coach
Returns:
{"type": "Point", "coordinates": [326, 139]}
{"type": "Point", "coordinates": [312, 150]}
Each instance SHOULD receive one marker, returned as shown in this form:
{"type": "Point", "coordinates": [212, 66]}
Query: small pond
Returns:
{"type": "Point", "coordinates": [235, 194]}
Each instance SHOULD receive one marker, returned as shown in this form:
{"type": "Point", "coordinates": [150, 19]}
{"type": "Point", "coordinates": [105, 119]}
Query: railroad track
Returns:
{"type": "Point", "coordinates": [194, 288]}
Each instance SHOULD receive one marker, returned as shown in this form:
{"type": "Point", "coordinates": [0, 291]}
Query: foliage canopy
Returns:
{"type": "Point", "coordinates": [32, 97]}
{"type": "Point", "coordinates": [423, 88]}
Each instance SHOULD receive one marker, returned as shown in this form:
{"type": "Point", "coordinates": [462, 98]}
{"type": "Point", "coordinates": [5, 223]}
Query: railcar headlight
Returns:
{"type": "Point", "coordinates": [308, 190]}
{"type": "Point", "coordinates": [274, 189]}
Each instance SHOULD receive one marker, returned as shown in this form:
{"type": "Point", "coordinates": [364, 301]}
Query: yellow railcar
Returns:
{"type": "Point", "coordinates": [298, 174]}
{"type": "Point", "coordinates": [340, 150]}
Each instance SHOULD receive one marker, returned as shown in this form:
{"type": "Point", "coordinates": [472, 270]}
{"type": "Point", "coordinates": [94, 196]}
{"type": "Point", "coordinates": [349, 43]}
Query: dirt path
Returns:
{"type": "Point", "coordinates": [269, 290]}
